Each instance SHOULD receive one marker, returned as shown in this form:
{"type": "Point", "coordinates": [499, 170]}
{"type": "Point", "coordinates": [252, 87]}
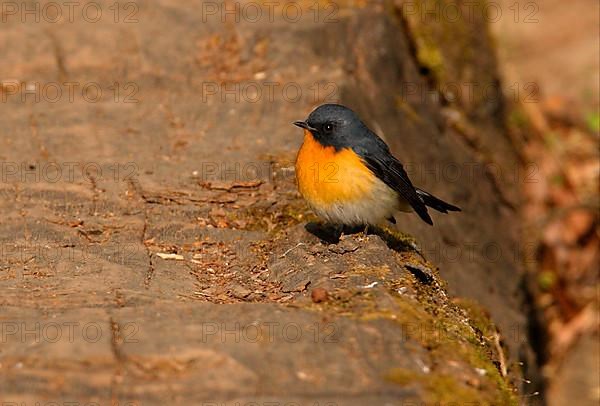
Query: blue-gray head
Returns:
{"type": "Point", "coordinates": [334, 125]}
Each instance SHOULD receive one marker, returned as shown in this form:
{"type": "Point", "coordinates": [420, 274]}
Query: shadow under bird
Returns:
{"type": "Point", "coordinates": [348, 175]}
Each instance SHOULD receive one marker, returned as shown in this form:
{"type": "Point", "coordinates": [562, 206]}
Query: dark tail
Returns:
{"type": "Point", "coordinates": [436, 203]}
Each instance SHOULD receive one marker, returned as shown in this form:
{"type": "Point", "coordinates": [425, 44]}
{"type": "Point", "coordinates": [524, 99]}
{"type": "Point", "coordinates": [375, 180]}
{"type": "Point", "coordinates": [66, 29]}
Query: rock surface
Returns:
{"type": "Point", "coordinates": [187, 161]}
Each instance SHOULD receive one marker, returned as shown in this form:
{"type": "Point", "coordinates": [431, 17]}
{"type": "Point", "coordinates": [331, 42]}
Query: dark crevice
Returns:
{"type": "Point", "coordinates": [537, 336]}
{"type": "Point", "coordinates": [420, 273]}
{"type": "Point", "coordinates": [59, 57]}
{"type": "Point", "coordinates": [150, 270]}
{"type": "Point", "coordinates": [135, 186]}
{"type": "Point", "coordinates": [423, 70]}
{"type": "Point", "coordinates": [115, 345]}
{"type": "Point", "coordinates": [470, 140]}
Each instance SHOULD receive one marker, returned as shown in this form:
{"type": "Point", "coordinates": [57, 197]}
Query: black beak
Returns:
{"type": "Point", "coordinates": [303, 124]}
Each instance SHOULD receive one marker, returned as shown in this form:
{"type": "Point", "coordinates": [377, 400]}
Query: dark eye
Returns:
{"type": "Point", "coordinates": [328, 128]}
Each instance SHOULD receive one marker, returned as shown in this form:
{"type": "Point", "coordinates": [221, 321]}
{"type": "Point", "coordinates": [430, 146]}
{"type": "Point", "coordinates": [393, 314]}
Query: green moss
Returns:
{"type": "Point", "coordinates": [439, 388]}
{"type": "Point", "coordinates": [441, 43]}
{"type": "Point", "coordinates": [274, 221]}
{"type": "Point", "coordinates": [483, 353]}
{"type": "Point", "coordinates": [397, 240]}
{"type": "Point", "coordinates": [451, 46]}
{"type": "Point", "coordinates": [402, 377]}
{"type": "Point", "coordinates": [430, 56]}
{"type": "Point", "coordinates": [446, 389]}
{"type": "Point", "coordinates": [478, 316]}
{"type": "Point", "coordinates": [451, 333]}
{"type": "Point", "coordinates": [379, 272]}
{"type": "Point", "coordinates": [552, 140]}
{"type": "Point", "coordinates": [518, 119]}
{"type": "Point", "coordinates": [593, 121]}
{"type": "Point", "coordinates": [546, 280]}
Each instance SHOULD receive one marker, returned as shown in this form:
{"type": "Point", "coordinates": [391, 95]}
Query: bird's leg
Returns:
{"type": "Point", "coordinates": [355, 229]}
{"type": "Point", "coordinates": [329, 233]}
{"type": "Point", "coordinates": [338, 231]}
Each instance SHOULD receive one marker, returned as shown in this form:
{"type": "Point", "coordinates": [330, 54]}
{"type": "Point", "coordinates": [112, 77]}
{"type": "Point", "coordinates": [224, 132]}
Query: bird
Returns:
{"type": "Point", "coordinates": [348, 174]}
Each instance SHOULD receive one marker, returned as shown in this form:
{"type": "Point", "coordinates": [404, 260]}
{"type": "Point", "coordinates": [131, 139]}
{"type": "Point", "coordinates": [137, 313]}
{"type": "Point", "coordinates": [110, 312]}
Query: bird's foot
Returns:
{"type": "Point", "coordinates": [329, 233]}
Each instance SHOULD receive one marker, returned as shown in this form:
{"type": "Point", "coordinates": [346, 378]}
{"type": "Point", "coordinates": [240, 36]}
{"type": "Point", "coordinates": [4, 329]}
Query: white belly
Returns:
{"type": "Point", "coordinates": [372, 210]}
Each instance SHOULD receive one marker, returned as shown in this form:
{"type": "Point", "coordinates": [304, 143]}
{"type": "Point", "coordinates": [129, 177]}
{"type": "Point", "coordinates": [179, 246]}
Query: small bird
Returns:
{"type": "Point", "coordinates": [348, 175]}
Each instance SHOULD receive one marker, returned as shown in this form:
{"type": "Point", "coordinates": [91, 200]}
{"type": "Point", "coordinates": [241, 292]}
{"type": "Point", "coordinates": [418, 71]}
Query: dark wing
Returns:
{"type": "Point", "coordinates": [378, 158]}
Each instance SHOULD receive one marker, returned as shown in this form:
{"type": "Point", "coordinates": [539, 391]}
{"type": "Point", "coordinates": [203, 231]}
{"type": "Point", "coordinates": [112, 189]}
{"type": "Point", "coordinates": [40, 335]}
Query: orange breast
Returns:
{"type": "Point", "coordinates": [326, 176]}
